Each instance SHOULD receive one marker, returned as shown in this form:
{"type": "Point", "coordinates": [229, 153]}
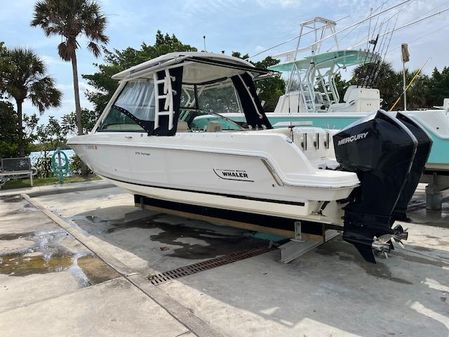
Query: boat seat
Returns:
{"type": "Point", "coordinates": [182, 126]}
{"type": "Point", "coordinates": [213, 126]}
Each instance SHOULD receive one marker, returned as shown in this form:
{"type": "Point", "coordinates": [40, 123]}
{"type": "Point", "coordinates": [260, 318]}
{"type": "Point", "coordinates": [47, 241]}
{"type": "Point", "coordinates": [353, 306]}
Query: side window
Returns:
{"type": "Point", "coordinates": [137, 99]}
{"type": "Point", "coordinates": [220, 98]}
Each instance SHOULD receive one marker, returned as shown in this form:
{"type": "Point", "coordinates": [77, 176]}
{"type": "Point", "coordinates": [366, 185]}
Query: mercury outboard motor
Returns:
{"type": "Point", "coordinates": [416, 171]}
{"type": "Point", "coordinates": [381, 149]}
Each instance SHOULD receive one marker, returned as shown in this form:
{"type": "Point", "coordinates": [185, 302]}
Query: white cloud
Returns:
{"type": "Point", "coordinates": [52, 61]}
{"type": "Point", "coordinates": [281, 3]}
{"type": "Point", "coordinates": [259, 48]}
{"type": "Point", "coordinates": [202, 7]}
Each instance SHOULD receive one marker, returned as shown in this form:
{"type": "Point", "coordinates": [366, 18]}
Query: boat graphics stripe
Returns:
{"type": "Point", "coordinates": [285, 202]}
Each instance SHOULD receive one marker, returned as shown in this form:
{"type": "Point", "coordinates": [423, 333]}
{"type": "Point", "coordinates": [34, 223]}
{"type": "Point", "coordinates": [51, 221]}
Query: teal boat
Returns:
{"type": "Point", "coordinates": [434, 122]}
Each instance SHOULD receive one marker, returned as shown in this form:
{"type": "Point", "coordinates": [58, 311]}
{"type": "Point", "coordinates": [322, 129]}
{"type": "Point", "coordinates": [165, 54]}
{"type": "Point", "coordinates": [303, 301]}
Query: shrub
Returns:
{"type": "Point", "coordinates": [77, 167]}
{"type": "Point", "coordinates": [43, 167]}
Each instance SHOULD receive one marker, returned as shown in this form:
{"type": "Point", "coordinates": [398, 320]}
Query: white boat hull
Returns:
{"type": "Point", "coordinates": [255, 179]}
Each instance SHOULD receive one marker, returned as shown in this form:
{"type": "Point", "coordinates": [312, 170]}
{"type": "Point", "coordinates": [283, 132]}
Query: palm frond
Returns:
{"type": "Point", "coordinates": [66, 50]}
{"type": "Point", "coordinates": [24, 76]}
{"type": "Point", "coordinates": [44, 94]}
{"type": "Point", "coordinates": [94, 48]}
{"type": "Point", "coordinates": [70, 19]}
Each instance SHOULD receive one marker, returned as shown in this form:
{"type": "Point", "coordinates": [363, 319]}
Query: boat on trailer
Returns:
{"type": "Point", "coordinates": [273, 180]}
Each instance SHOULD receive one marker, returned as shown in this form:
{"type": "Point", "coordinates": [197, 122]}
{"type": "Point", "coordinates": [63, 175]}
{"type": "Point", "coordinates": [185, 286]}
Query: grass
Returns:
{"type": "Point", "coordinates": [21, 183]}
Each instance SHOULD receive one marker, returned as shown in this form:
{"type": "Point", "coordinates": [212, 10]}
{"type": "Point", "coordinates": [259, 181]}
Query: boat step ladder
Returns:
{"type": "Point", "coordinates": [166, 108]}
{"type": "Point", "coordinates": [303, 243]}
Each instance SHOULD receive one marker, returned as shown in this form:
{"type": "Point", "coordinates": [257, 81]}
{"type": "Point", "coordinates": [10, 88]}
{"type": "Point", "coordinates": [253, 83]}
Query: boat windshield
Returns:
{"type": "Point", "coordinates": [142, 106]}
{"type": "Point", "coordinates": [202, 106]}
{"type": "Point", "coordinates": [136, 101]}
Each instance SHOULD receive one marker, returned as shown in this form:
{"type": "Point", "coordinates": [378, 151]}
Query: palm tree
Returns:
{"type": "Point", "coordinates": [70, 20]}
{"type": "Point", "coordinates": [23, 77]}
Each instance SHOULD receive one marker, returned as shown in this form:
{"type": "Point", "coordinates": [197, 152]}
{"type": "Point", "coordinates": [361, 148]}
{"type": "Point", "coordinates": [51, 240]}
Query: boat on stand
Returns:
{"type": "Point", "coordinates": [288, 181]}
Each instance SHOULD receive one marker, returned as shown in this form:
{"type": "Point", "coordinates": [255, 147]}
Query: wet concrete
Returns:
{"type": "Point", "coordinates": [15, 236]}
{"type": "Point", "coordinates": [95, 270]}
{"type": "Point", "coordinates": [86, 269]}
{"type": "Point", "coordinates": [348, 254]}
{"type": "Point", "coordinates": [52, 285]}
{"type": "Point", "coordinates": [418, 213]}
{"type": "Point", "coordinates": [214, 241]}
{"type": "Point", "coordinates": [168, 242]}
{"type": "Point", "coordinates": [10, 198]}
{"type": "Point", "coordinates": [20, 264]}
{"type": "Point", "coordinates": [45, 251]}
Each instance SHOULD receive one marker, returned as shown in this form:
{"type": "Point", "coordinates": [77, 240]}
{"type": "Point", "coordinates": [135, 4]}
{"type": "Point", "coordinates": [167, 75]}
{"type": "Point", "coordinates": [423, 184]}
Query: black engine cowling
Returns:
{"type": "Point", "coordinates": [416, 171]}
{"type": "Point", "coordinates": [382, 150]}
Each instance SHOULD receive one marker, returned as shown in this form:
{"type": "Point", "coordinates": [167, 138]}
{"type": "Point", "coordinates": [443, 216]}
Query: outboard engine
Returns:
{"type": "Point", "coordinates": [383, 151]}
{"type": "Point", "coordinates": [416, 171]}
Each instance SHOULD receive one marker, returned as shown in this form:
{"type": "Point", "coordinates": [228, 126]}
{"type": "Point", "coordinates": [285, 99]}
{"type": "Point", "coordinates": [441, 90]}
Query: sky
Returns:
{"type": "Point", "coordinates": [247, 26]}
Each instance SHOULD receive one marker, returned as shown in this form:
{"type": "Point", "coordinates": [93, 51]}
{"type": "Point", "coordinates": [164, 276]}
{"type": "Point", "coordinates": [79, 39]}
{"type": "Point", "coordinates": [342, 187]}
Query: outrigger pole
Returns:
{"type": "Point", "coordinates": [338, 32]}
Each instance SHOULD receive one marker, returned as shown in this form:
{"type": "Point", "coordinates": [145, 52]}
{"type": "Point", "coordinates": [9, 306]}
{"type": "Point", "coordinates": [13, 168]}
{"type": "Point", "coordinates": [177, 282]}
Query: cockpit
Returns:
{"type": "Point", "coordinates": [185, 93]}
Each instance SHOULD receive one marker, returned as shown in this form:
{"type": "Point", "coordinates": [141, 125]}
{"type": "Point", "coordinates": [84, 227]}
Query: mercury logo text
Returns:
{"type": "Point", "coordinates": [352, 138]}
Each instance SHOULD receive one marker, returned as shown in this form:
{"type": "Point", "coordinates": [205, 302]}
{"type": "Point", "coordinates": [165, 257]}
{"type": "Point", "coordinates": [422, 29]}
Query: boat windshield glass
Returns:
{"type": "Point", "coordinates": [137, 98]}
{"type": "Point", "coordinates": [201, 106]}
{"type": "Point", "coordinates": [199, 109]}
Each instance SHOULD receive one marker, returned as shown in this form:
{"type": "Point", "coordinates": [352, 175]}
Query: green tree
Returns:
{"type": "Point", "coordinates": [70, 20]}
{"type": "Point", "coordinates": [438, 87]}
{"type": "Point", "coordinates": [8, 133]}
{"type": "Point", "coordinates": [342, 85]}
{"type": "Point", "coordinates": [271, 88]}
{"type": "Point", "coordinates": [89, 118]}
{"type": "Point", "coordinates": [380, 76]}
{"type": "Point", "coordinates": [119, 60]}
{"type": "Point", "coordinates": [8, 130]}
{"type": "Point", "coordinates": [418, 94]}
{"type": "Point", "coordinates": [23, 76]}
{"type": "Point", "coordinates": [239, 55]}
{"type": "Point", "coordinates": [49, 136]}
{"type": "Point", "coordinates": [4, 66]}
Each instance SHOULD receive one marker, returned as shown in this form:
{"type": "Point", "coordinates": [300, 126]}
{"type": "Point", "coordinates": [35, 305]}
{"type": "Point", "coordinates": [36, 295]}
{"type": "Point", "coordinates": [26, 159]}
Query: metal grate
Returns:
{"type": "Point", "coordinates": [166, 276]}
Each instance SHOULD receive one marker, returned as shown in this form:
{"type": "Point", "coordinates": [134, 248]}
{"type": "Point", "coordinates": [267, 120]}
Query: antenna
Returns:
{"type": "Point", "coordinates": [405, 58]}
{"type": "Point", "coordinates": [204, 42]}
{"type": "Point", "coordinates": [369, 28]}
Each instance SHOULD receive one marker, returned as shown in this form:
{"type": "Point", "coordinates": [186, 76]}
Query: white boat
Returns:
{"type": "Point", "coordinates": [145, 141]}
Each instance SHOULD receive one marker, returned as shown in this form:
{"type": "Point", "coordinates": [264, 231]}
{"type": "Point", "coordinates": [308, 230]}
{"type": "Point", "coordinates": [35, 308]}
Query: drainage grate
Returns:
{"type": "Point", "coordinates": [205, 265]}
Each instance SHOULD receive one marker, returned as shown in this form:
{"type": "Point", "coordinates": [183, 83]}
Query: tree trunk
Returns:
{"type": "Point", "coordinates": [77, 94]}
{"type": "Point", "coordinates": [20, 128]}
{"type": "Point", "coordinates": [79, 125]}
